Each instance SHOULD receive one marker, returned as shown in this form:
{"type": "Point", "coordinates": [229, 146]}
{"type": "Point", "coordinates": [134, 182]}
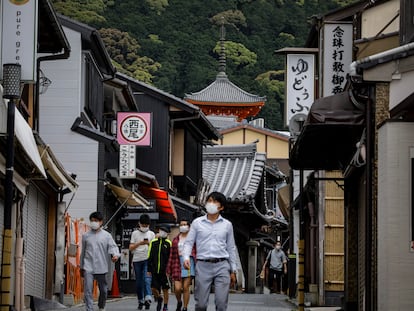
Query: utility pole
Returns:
{"type": "Point", "coordinates": [11, 91]}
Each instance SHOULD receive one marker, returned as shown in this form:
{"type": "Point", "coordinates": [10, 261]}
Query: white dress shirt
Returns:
{"type": "Point", "coordinates": [213, 240]}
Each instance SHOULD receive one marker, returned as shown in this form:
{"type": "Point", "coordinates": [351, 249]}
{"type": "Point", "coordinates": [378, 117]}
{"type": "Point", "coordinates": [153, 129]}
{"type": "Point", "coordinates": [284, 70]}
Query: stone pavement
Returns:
{"type": "Point", "coordinates": [237, 302]}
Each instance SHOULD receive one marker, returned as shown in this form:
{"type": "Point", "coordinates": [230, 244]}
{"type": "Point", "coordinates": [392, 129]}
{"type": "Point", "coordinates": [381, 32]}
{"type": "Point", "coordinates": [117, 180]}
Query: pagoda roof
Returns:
{"type": "Point", "coordinates": [223, 92]}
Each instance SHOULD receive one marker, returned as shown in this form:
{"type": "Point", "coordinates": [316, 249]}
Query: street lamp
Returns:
{"type": "Point", "coordinates": [11, 81]}
{"type": "Point", "coordinates": [11, 91]}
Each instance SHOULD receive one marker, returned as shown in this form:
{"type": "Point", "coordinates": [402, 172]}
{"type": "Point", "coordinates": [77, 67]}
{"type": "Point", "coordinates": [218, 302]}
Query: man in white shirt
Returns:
{"type": "Point", "coordinates": [138, 245]}
{"type": "Point", "coordinates": [98, 247]}
{"type": "Point", "coordinates": [216, 254]}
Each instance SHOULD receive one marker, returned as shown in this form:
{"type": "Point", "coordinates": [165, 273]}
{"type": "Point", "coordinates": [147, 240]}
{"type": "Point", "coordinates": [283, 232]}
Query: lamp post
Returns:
{"type": "Point", "coordinates": [11, 91]}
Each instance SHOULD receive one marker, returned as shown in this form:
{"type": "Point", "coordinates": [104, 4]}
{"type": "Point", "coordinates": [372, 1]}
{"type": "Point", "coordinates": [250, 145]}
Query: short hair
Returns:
{"type": "Point", "coordinates": [144, 219]}
{"type": "Point", "coordinates": [217, 196]}
{"type": "Point", "coordinates": [96, 215]}
{"type": "Point", "coordinates": [186, 220]}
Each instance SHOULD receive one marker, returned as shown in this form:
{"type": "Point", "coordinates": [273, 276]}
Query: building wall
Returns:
{"type": "Point", "coordinates": [395, 261]}
{"type": "Point", "coordinates": [374, 19]}
{"type": "Point", "coordinates": [333, 250]}
{"type": "Point", "coordinates": [59, 107]}
{"type": "Point", "coordinates": [273, 147]}
{"type": "Point", "coordinates": [178, 153]}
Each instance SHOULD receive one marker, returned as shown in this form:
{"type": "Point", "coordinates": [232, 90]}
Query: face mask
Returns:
{"type": "Point", "coordinates": [143, 229]}
{"type": "Point", "coordinates": [211, 208]}
{"type": "Point", "coordinates": [184, 229]}
{"type": "Point", "coordinates": [277, 247]}
{"type": "Point", "coordinates": [162, 234]}
{"type": "Point", "coordinates": [95, 225]}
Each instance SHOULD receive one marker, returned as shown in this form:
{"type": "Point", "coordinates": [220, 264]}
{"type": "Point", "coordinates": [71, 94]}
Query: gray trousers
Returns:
{"type": "Point", "coordinates": [207, 274]}
{"type": "Point", "coordinates": [88, 290]}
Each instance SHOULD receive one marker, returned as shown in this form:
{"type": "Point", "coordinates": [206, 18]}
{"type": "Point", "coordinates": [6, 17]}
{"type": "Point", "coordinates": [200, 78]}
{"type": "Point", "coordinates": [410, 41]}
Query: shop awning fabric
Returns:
{"type": "Point", "coordinates": [329, 135]}
{"type": "Point", "coordinates": [129, 198]}
{"type": "Point", "coordinates": [55, 169]}
{"type": "Point", "coordinates": [163, 200]}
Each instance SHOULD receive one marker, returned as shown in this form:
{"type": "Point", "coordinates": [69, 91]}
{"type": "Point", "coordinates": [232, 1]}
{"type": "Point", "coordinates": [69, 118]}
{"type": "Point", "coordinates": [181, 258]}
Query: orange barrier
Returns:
{"type": "Point", "coordinates": [74, 229]}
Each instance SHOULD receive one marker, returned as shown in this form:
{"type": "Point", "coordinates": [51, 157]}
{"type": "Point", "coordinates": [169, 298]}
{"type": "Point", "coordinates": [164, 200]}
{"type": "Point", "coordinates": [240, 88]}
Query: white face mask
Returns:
{"type": "Point", "coordinates": [211, 208]}
{"type": "Point", "coordinates": [95, 225]}
{"type": "Point", "coordinates": [162, 234]}
{"type": "Point", "coordinates": [277, 247]}
{"type": "Point", "coordinates": [184, 229]}
{"type": "Point", "coordinates": [143, 229]}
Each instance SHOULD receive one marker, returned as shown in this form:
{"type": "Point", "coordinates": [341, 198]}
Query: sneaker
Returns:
{"type": "Point", "coordinates": [147, 304]}
{"type": "Point", "coordinates": [140, 306]}
{"type": "Point", "coordinates": [179, 305]}
{"type": "Point", "coordinates": [159, 303]}
{"type": "Point", "coordinates": [184, 309]}
{"type": "Point", "coordinates": [165, 308]}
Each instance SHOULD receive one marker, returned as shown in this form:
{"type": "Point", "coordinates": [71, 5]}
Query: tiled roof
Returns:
{"type": "Point", "coordinates": [222, 90]}
{"type": "Point", "coordinates": [234, 170]}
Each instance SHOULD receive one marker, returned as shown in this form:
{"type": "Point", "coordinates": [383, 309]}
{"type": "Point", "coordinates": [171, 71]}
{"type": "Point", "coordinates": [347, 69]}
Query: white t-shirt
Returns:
{"type": "Point", "coordinates": [181, 245]}
{"type": "Point", "coordinates": [141, 252]}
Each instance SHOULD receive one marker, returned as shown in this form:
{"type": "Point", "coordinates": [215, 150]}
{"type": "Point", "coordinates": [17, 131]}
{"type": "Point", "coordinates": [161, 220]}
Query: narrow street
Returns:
{"type": "Point", "coordinates": [237, 302]}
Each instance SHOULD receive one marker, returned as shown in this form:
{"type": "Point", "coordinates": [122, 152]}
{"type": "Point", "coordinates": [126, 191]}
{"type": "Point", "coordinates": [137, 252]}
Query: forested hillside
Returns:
{"type": "Point", "coordinates": [173, 44]}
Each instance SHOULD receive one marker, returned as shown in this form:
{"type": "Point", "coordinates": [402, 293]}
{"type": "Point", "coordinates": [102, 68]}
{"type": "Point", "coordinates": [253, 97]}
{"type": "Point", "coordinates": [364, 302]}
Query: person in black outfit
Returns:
{"type": "Point", "coordinates": [158, 255]}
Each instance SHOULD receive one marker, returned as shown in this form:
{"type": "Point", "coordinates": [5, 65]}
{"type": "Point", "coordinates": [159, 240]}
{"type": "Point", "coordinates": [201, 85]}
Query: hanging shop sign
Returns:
{"type": "Point", "coordinates": [18, 43]}
{"type": "Point", "coordinates": [300, 84]}
{"type": "Point", "coordinates": [134, 128]}
{"type": "Point", "coordinates": [337, 56]}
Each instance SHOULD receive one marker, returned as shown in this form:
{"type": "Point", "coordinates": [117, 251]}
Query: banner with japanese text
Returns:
{"type": "Point", "coordinates": [337, 56]}
{"type": "Point", "coordinates": [300, 84]}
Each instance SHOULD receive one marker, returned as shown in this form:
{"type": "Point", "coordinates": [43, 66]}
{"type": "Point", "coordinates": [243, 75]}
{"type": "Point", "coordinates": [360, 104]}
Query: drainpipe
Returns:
{"type": "Point", "coordinates": [354, 65]}
{"type": "Point", "coordinates": [64, 55]}
{"type": "Point", "coordinates": [313, 255]}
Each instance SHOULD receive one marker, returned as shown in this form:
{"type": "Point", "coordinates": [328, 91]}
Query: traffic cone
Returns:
{"type": "Point", "coordinates": [114, 293]}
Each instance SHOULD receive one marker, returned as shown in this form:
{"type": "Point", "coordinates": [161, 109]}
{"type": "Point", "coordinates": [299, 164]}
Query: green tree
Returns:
{"type": "Point", "coordinates": [123, 49]}
{"type": "Point", "coordinates": [86, 11]}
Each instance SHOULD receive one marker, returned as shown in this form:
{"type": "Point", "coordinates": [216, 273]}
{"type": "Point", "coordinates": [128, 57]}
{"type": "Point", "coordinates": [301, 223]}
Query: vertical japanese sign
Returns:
{"type": "Point", "coordinates": [300, 84]}
{"type": "Point", "coordinates": [337, 56]}
{"type": "Point", "coordinates": [127, 161]}
{"type": "Point", "coordinates": [133, 129]}
{"type": "Point", "coordinates": [19, 36]}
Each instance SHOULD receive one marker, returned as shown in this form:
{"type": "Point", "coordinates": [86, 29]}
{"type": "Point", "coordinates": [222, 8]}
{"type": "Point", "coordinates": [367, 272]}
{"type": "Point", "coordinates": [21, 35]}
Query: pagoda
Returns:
{"type": "Point", "coordinates": [224, 98]}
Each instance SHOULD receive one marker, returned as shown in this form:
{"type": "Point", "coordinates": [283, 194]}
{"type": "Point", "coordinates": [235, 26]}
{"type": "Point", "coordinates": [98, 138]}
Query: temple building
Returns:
{"type": "Point", "coordinates": [224, 98]}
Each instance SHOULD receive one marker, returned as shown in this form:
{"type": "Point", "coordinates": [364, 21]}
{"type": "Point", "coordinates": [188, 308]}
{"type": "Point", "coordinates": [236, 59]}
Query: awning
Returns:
{"type": "Point", "coordinates": [24, 137]}
{"type": "Point", "coordinates": [283, 200]}
{"type": "Point", "coordinates": [185, 210]}
{"type": "Point", "coordinates": [164, 203]}
{"type": "Point", "coordinates": [130, 198]}
{"type": "Point", "coordinates": [329, 135]}
{"type": "Point", "coordinates": [55, 169]}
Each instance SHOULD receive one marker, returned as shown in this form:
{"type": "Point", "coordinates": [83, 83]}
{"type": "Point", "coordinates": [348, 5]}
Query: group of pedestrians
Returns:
{"type": "Point", "coordinates": [204, 251]}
